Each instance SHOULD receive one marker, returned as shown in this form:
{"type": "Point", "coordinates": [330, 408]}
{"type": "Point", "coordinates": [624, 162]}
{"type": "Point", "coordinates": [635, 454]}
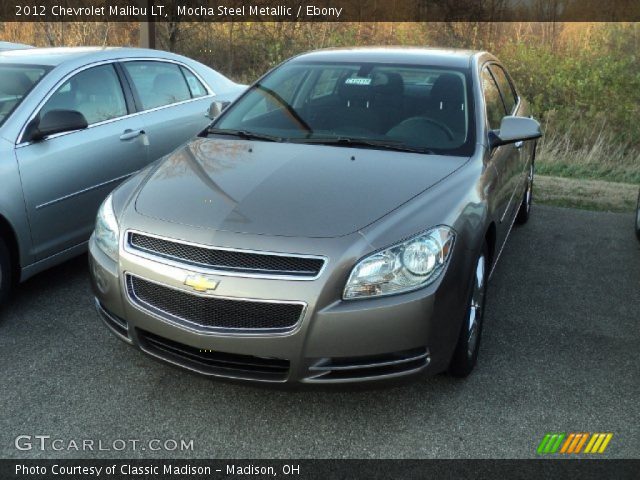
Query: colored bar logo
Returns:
{"type": "Point", "coordinates": [568, 443]}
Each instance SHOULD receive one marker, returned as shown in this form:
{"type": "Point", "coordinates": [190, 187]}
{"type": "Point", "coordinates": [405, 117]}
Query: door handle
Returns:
{"type": "Point", "coordinates": [130, 134]}
{"type": "Point", "coordinates": [518, 144]}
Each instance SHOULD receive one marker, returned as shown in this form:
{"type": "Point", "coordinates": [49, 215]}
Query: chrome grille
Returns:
{"type": "Point", "coordinates": [227, 260]}
{"type": "Point", "coordinates": [214, 312]}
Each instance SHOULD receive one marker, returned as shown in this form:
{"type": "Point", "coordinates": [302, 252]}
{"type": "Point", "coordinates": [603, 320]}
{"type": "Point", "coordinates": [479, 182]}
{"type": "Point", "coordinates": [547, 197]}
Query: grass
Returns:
{"type": "Point", "coordinates": [603, 158]}
{"type": "Point", "coordinates": [601, 174]}
{"type": "Point", "coordinates": [585, 194]}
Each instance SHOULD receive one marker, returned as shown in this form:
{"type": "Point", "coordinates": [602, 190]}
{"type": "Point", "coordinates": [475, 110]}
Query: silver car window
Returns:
{"type": "Point", "coordinates": [508, 94]}
{"type": "Point", "coordinates": [492, 99]}
{"type": "Point", "coordinates": [415, 106]}
{"type": "Point", "coordinates": [95, 92]}
{"type": "Point", "coordinates": [195, 86]}
{"type": "Point", "coordinates": [16, 81]}
{"type": "Point", "coordinates": [157, 83]}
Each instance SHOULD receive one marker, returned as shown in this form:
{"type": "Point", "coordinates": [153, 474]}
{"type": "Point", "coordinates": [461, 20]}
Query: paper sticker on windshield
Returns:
{"type": "Point", "coordinates": [358, 81]}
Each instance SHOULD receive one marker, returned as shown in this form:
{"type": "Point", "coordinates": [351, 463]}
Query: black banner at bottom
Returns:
{"type": "Point", "coordinates": [318, 469]}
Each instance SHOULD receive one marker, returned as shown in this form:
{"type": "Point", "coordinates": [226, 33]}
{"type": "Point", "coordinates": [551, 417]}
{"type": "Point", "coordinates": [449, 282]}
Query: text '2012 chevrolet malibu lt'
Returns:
{"type": "Point", "coordinates": [337, 223]}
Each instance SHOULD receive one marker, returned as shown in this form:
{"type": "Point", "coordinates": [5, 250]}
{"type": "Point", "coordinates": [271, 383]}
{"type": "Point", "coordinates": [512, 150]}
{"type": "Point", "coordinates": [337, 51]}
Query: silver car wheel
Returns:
{"type": "Point", "coordinates": [475, 309]}
{"type": "Point", "coordinates": [529, 193]}
{"type": "Point", "coordinates": [638, 217]}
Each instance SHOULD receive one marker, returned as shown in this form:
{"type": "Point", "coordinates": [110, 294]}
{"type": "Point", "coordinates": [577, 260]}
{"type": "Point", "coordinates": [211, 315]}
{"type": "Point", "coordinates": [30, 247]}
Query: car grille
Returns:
{"type": "Point", "coordinates": [215, 312]}
{"type": "Point", "coordinates": [369, 367]}
{"type": "Point", "coordinates": [228, 260]}
{"type": "Point", "coordinates": [211, 362]}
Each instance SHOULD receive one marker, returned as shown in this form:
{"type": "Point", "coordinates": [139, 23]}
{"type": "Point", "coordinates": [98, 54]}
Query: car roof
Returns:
{"type": "Point", "coordinates": [13, 46]}
{"type": "Point", "coordinates": [449, 57]}
{"type": "Point", "coordinates": [59, 55]}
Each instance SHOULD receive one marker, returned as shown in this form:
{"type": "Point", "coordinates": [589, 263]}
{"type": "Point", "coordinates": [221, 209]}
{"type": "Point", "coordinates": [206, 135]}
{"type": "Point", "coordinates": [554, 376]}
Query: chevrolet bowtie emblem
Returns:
{"type": "Point", "coordinates": [201, 283]}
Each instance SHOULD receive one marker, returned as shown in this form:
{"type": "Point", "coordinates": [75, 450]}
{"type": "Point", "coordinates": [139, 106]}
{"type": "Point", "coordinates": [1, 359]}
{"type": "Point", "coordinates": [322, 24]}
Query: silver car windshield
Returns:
{"type": "Point", "coordinates": [399, 107]}
{"type": "Point", "coordinates": [16, 81]}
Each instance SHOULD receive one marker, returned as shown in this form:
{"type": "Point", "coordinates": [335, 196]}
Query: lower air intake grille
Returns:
{"type": "Point", "coordinates": [211, 362]}
{"type": "Point", "coordinates": [228, 260]}
{"type": "Point", "coordinates": [212, 312]}
{"type": "Point", "coordinates": [369, 367]}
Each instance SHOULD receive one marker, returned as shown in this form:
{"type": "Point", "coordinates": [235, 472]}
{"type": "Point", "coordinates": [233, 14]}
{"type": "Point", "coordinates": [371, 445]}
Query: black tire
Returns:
{"type": "Point", "coordinates": [6, 277]}
{"type": "Point", "coordinates": [638, 218]}
{"type": "Point", "coordinates": [525, 207]}
{"type": "Point", "coordinates": [465, 356]}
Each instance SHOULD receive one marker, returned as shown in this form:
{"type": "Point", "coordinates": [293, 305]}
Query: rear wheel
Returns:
{"type": "Point", "coordinates": [5, 272]}
{"type": "Point", "coordinates": [525, 206]}
{"type": "Point", "coordinates": [466, 353]}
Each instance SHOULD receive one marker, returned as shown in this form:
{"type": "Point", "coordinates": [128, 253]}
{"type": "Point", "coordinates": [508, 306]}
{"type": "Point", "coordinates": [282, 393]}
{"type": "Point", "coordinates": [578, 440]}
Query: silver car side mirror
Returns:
{"type": "Point", "coordinates": [216, 108]}
{"type": "Point", "coordinates": [515, 129]}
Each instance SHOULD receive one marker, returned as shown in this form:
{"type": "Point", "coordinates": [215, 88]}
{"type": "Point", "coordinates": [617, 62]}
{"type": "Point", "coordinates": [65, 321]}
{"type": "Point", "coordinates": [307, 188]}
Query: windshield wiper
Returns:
{"type": "Point", "coordinates": [363, 142]}
{"type": "Point", "coordinates": [244, 134]}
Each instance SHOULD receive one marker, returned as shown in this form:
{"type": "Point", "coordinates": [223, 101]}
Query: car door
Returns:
{"type": "Point", "coordinates": [173, 102]}
{"type": "Point", "coordinates": [511, 103]}
{"type": "Point", "coordinates": [66, 176]}
{"type": "Point", "coordinates": [504, 158]}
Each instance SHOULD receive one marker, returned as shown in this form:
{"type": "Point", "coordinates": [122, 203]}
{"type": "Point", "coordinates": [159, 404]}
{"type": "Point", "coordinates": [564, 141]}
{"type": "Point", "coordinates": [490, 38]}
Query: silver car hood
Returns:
{"type": "Point", "coordinates": [285, 189]}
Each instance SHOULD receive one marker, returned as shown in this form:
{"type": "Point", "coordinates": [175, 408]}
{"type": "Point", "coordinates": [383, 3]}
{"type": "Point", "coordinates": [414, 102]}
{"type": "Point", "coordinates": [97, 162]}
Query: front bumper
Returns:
{"type": "Point", "coordinates": [335, 341]}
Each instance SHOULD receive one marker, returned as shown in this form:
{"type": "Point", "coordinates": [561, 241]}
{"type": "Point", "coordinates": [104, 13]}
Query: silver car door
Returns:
{"type": "Point", "coordinates": [65, 177]}
{"type": "Point", "coordinates": [504, 158]}
{"type": "Point", "coordinates": [511, 103]}
{"type": "Point", "coordinates": [174, 102]}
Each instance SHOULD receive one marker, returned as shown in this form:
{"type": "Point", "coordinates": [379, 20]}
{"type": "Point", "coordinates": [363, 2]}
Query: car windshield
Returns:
{"type": "Point", "coordinates": [16, 81]}
{"type": "Point", "coordinates": [370, 105]}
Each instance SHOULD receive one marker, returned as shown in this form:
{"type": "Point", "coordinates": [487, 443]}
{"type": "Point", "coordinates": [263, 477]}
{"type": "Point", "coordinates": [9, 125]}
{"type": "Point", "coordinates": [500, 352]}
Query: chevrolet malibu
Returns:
{"type": "Point", "coordinates": [74, 122]}
{"type": "Point", "coordinates": [339, 222]}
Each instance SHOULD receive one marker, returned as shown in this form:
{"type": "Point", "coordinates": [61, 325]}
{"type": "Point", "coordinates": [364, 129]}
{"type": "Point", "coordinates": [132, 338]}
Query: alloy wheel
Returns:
{"type": "Point", "coordinates": [476, 307]}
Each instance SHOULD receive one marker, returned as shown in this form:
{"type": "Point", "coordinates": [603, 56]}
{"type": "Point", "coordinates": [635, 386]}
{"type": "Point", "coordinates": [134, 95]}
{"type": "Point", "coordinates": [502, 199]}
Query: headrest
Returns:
{"type": "Point", "coordinates": [388, 84]}
{"type": "Point", "coordinates": [448, 88]}
{"type": "Point", "coordinates": [14, 83]}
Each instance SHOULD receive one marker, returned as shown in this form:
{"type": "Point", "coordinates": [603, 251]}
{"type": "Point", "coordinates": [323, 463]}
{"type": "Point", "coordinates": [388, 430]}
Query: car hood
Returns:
{"type": "Point", "coordinates": [285, 189]}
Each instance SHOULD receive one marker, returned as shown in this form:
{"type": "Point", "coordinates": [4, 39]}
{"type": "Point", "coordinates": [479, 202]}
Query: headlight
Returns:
{"type": "Point", "coordinates": [406, 266]}
{"type": "Point", "coordinates": [107, 232]}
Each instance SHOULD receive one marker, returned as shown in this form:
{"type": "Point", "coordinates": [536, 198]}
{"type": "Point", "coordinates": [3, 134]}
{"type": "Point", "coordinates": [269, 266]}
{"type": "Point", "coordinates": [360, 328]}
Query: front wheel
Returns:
{"type": "Point", "coordinates": [638, 218]}
{"type": "Point", "coordinates": [466, 353]}
{"type": "Point", "coordinates": [525, 207]}
{"type": "Point", "coordinates": [5, 272]}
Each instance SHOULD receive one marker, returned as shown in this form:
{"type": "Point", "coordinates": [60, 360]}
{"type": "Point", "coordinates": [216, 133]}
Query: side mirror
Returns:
{"type": "Point", "coordinates": [216, 108]}
{"type": "Point", "coordinates": [55, 121]}
{"type": "Point", "coordinates": [514, 129]}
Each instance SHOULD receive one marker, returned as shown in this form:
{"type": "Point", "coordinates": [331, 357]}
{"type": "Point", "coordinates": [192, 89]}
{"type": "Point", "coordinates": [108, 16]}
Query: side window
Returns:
{"type": "Point", "coordinates": [157, 83]}
{"type": "Point", "coordinates": [508, 95]}
{"type": "Point", "coordinates": [95, 92]}
{"type": "Point", "coordinates": [492, 99]}
{"type": "Point", "coordinates": [195, 86]}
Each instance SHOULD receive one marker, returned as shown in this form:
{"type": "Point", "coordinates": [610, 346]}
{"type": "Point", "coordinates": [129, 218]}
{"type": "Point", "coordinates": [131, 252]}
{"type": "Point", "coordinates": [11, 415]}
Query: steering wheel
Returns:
{"type": "Point", "coordinates": [416, 120]}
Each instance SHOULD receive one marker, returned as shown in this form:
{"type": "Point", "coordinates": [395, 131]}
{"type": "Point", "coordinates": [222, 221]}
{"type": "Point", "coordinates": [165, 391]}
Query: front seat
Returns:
{"type": "Point", "coordinates": [447, 101]}
{"type": "Point", "coordinates": [98, 98]}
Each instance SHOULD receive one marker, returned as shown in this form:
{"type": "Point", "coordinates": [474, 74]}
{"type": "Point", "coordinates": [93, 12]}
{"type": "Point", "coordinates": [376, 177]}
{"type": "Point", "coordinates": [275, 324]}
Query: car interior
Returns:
{"type": "Point", "coordinates": [381, 103]}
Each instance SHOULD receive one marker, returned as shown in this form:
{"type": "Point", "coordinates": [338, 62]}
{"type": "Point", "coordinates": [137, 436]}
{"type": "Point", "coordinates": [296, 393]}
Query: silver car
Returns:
{"type": "Point", "coordinates": [13, 46]}
{"type": "Point", "coordinates": [337, 223]}
{"type": "Point", "coordinates": [75, 122]}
